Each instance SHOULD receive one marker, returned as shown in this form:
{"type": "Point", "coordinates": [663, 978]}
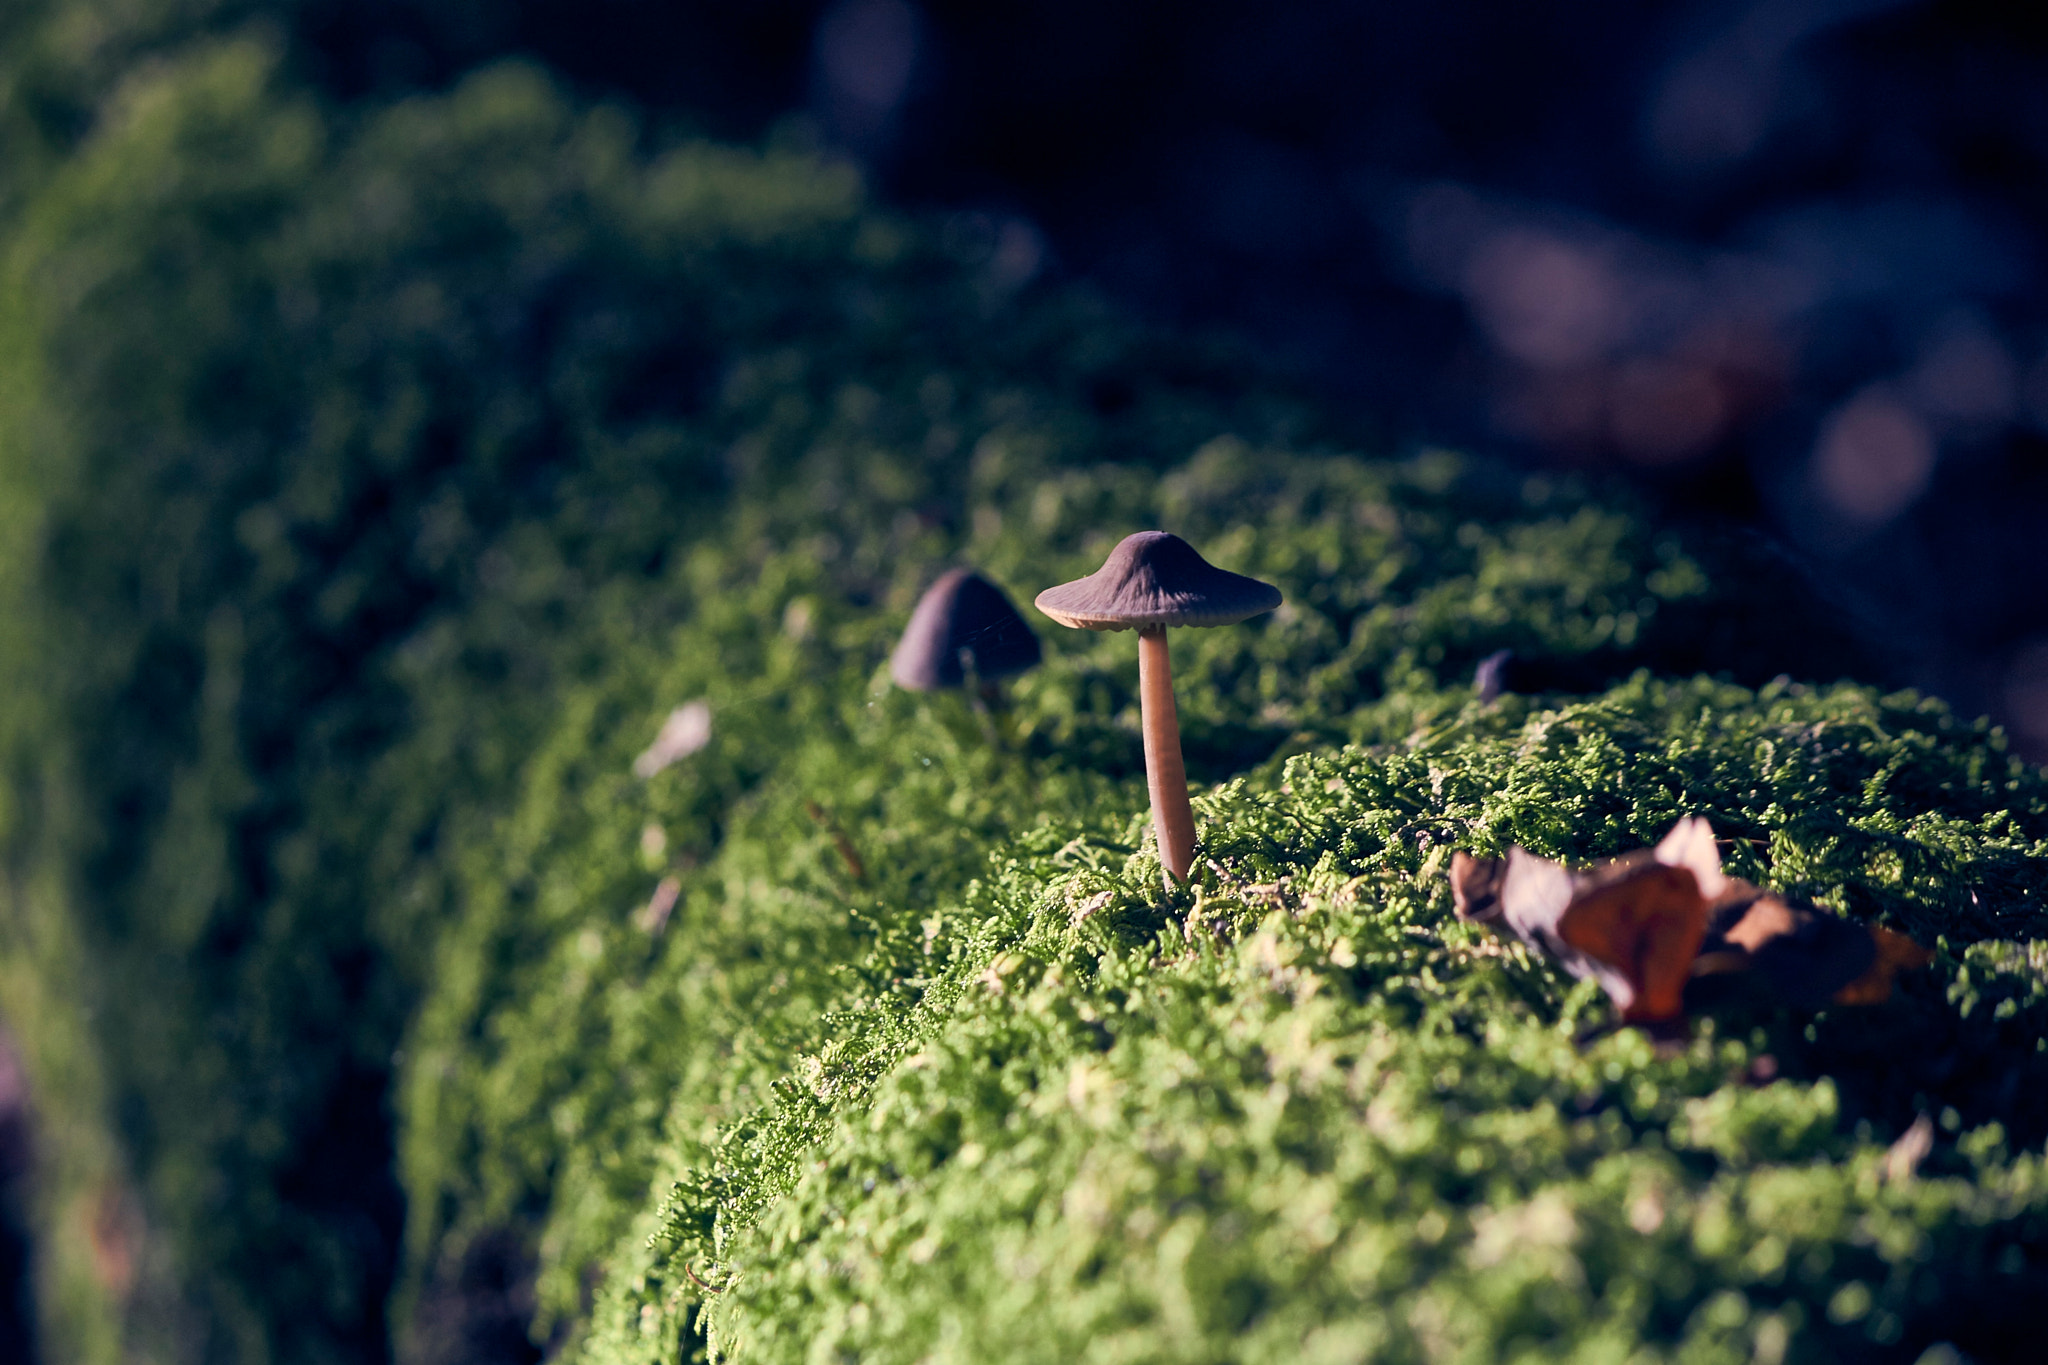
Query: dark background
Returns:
{"type": "Point", "coordinates": [1780, 261]}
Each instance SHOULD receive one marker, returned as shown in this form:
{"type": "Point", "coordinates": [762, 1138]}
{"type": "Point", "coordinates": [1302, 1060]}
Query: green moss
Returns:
{"type": "Point", "coordinates": [338, 444]}
{"type": "Point", "coordinates": [374, 486]}
{"type": "Point", "coordinates": [764, 935]}
{"type": "Point", "coordinates": [989, 1100]}
{"type": "Point", "coordinates": [1327, 1118]}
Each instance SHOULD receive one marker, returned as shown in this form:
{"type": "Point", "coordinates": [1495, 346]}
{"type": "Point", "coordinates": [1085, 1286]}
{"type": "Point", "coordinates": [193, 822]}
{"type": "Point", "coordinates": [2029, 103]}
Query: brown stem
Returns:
{"type": "Point", "coordinates": [847, 852]}
{"type": "Point", "coordinates": [1165, 776]}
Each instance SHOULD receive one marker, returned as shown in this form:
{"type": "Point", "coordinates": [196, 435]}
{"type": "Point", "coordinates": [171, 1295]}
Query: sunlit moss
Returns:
{"type": "Point", "coordinates": [378, 483]}
{"type": "Point", "coordinates": [989, 1100]}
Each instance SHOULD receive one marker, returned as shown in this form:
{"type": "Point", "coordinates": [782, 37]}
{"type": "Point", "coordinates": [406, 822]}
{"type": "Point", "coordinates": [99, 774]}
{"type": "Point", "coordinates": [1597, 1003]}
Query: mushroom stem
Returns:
{"type": "Point", "coordinates": [1165, 776]}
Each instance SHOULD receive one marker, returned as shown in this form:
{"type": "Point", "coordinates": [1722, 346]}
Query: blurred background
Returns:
{"type": "Point", "coordinates": [1780, 260]}
{"type": "Point", "coordinates": [1779, 263]}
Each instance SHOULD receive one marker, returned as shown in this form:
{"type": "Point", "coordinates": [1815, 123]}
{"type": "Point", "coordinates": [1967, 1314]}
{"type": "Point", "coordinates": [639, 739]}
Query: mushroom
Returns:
{"type": "Point", "coordinates": [962, 624]}
{"type": "Point", "coordinates": [1150, 581]}
{"type": "Point", "coordinates": [1490, 679]}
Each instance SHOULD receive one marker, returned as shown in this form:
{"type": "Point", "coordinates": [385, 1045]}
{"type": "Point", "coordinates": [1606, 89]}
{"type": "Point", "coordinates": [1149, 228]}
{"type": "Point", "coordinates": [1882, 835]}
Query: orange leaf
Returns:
{"type": "Point", "coordinates": [1647, 926]}
{"type": "Point", "coordinates": [1895, 953]}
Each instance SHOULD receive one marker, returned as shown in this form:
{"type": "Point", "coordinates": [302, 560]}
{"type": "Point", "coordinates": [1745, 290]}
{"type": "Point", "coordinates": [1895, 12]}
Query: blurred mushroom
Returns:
{"type": "Point", "coordinates": [1150, 581]}
{"type": "Point", "coordinates": [1490, 679]}
{"type": "Point", "coordinates": [963, 625]}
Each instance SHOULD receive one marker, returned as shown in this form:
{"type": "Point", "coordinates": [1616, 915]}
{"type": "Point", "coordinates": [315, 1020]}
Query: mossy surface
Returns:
{"type": "Point", "coordinates": [338, 443]}
{"type": "Point", "coordinates": [377, 480]}
{"type": "Point", "coordinates": [922, 1065]}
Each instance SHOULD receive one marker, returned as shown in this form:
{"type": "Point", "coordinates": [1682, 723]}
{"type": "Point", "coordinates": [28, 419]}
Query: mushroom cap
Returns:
{"type": "Point", "coordinates": [1155, 578]}
{"type": "Point", "coordinates": [962, 613]}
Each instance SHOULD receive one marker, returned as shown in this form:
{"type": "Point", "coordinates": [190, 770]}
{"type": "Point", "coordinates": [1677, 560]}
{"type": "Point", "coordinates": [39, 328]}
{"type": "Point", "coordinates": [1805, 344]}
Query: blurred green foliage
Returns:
{"type": "Point", "coordinates": [332, 443]}
{"type": "Point", "coordinates": [373, 480]}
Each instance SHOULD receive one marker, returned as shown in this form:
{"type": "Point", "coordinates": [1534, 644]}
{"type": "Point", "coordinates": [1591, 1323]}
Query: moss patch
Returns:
{"type": "Point", "coordinates": [975, 1094]}
{"type": "Point", "coordinates": [377, 481]}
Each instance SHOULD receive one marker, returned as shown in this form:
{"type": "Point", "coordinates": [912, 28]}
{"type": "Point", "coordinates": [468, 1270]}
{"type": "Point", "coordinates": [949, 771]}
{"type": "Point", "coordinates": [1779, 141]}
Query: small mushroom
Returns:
{"type": "Point", "coordinates": [1490, 679]}
{"type": "Point", "coordinates": [962, 623]}
{"type": "Point", "coordinates": [1150, 581]}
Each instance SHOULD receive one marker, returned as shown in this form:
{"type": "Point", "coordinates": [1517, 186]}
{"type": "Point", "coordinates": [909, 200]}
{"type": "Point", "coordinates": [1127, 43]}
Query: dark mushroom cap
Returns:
{"type": "Point", "coordinates": [962, 613]}
{"type": "Point", "coordinates": [1155, 578]}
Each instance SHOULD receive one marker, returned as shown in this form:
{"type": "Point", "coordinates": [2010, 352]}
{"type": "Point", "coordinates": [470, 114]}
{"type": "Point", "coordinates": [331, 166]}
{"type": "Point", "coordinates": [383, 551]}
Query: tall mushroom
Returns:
{"type": "Point", "coordinates": [962, 622]}
{"type": "Point", "coordinates": [1150, 581]}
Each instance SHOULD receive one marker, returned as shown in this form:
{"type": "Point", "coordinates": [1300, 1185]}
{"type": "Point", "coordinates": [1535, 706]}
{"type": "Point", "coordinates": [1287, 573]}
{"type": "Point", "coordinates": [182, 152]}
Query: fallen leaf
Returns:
{"type": "Point", "coordinates": [1665, 930]}
{"type": "Point", "coordinates": [1645, 929]}
{"type": "Point", "coordinates": [1475, 888]}
{"type": "Point", "coordinates": [1895, 953]}
{"type": "Point", "coordinates": [1761, 945]}
{"type": "Point", "coordinates": [687, 729]}
{"type": "Point", "coordinates": [1690, 844]}
{"type": "Point", "coordinates": [1633, 925]}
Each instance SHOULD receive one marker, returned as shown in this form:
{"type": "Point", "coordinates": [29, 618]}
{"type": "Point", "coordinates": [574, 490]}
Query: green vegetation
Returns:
{"type": "Point", "coordinates": [373, 481]}
{"type": "Point", "coordinates": [973, 1094]}
{"type": "Point", "coordinates": [335, 448]}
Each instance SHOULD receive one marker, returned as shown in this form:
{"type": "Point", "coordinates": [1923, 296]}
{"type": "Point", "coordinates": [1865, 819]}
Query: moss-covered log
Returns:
{"type": "Point", "coordinates": [375, 482]}
{"type": "Point", "coordinates": [979, 1095]}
